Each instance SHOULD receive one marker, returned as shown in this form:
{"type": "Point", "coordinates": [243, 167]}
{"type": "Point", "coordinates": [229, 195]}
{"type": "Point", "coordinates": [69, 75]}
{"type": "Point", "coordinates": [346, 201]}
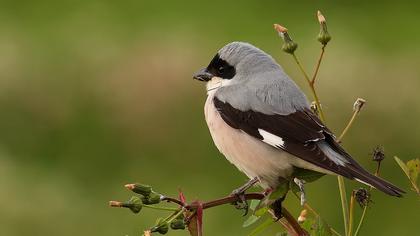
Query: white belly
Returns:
{"type": "Point", "coordinates": [248, 154]}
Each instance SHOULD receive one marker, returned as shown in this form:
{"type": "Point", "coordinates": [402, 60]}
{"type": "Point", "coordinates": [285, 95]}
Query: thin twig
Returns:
{"type": "Point", "coordinates": [161, 208]}
{"type": "Point", "coordinates": [173, 200]}
{"type": "Point", "coordinates": [351, 213]}
{"type": "Point", "coordinates": [318, 64]}
{"type": "Point", "coordinates": [341, 186]}
{"type": "Point", "coordinates": [359, 226]}
{"type": "Point", "coordinates": [311, 86]}
{"type": "Point", "coordinates": [291, 222]}
{"type": "Point", "coordinates": [362, 218]}
{"type": "Point", "coordinates": [225, 200]}
{"type": "Point", "coordinates": [352, 119]}
{"type": "Point", "coordinates": [344, 203]}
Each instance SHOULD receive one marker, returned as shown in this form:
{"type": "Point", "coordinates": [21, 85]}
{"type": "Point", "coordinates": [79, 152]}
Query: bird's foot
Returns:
{"type": "Point", "coordinates": [239, 193]}
{"type": "Point", "coordinates": [300, 183]}
{"type": "Point", "coordinates": [276, 206]}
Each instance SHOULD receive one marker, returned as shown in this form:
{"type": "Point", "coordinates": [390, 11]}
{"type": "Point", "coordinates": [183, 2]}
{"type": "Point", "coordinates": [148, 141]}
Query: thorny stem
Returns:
{"type": "Point", "coordinates": [312, 87]}
{"type": "Point", "coordinates": [217, 202]}
{"type": "Point", "coordinates": [290, 220]}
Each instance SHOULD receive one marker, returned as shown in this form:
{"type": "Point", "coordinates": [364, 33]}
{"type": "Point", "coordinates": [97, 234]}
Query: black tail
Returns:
{"type": "Point", "coordinates": [367, 178]}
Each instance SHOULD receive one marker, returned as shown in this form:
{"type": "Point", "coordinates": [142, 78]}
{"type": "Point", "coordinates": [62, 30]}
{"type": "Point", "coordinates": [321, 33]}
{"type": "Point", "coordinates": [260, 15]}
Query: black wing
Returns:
{"type": "Point", "coordinates": [303, 135]}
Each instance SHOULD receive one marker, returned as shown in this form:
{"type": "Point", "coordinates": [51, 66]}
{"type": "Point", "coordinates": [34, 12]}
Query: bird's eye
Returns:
{"type": "Point", "coordinates": [221, 70]}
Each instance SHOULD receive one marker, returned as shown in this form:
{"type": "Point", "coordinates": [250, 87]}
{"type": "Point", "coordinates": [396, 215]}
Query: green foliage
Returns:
{"type": "Point", "coordinates": [260, 228]}
{"type": "Point", "coordinates": [316, 226]}
{"type": "Point", "coordinates": [411, 170]}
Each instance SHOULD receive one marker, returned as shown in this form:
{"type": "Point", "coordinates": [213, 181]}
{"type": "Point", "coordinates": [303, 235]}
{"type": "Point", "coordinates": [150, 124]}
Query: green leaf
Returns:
{"type": "Point", "coordinates": [251, 220]}
{"type": "Point", "coordinates": [258, 212]}
{"type": "Point", "coordinates": [254, 203]}
{"type": "Point", "coordinates": [260, 228]}
{"type": "Point", "coordinates": [411, 169]}
{"type": "Point", "coordinates": [316, 227]}
{"type": "Point", "coordinates": [307, 175]}
{"type": "Point", "coordinates": [281, 191]}
{"type": "Point", "coordinates": [261, 211]}
{"type": "Point", "coordinates": [402, 165]}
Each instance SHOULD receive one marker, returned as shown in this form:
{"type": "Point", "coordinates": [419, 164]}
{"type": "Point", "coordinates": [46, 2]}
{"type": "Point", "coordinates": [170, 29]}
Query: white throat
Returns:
{"type": "Point", "coordinates": [215, 83]}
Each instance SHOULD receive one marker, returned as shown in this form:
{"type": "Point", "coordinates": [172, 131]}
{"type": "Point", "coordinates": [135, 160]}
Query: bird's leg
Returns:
{"type": "Point", "coordinates": [240, 194]}
{"type": "Point", "coordinates": [276, 206]}
{"type": "Point", "coordinates": [300, 183]}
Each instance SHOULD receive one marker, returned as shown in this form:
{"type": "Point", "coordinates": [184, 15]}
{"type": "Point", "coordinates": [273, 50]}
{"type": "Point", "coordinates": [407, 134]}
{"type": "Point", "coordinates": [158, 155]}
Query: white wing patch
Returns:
{"type": "Point", "coordinates": [363, 182]}
{"type": "Point", "coordinates": [337, 158]}
{"type": "Point", "coordinates": [271, 139]}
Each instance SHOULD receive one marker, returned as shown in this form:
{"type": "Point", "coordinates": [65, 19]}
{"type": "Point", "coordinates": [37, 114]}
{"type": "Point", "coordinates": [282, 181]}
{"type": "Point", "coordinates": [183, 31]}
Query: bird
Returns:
{"type": "Point", "coordinates": [261, 121]}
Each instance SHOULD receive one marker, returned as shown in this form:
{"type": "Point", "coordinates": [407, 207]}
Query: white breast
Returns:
{"type": "Point", "coordinates": [250, 155]}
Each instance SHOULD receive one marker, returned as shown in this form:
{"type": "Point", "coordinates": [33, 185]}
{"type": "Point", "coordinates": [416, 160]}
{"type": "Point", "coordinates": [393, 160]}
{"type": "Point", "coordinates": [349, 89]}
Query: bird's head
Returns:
{"type": "Point", "coordinates": [236, 62]}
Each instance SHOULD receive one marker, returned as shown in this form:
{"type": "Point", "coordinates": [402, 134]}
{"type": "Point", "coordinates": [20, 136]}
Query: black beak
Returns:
{"type": "Point", "coordinates": [203, 75]}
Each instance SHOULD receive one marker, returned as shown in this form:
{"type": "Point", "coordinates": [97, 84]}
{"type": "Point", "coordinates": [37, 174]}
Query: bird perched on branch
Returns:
{"type": "Point", "coordinates": [262, 123]}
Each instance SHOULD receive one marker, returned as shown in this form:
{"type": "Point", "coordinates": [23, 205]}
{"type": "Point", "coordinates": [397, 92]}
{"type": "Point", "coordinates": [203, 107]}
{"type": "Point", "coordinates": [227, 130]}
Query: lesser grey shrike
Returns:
{"type": "Point", "coordinates": [262, 123]}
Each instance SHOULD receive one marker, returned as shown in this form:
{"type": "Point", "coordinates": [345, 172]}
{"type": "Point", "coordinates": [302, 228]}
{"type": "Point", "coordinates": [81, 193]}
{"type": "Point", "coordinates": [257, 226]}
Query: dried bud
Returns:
{"type": "Point", "coordinates": [289, 46]}
{"type": "Point", "coordinates": [147, 233]}
{"type": "Point", "coordinates": [152, 198]}
{"type": "Point", "coordinates": [314, 108]}
{"type": "Point", "coordinates": [362, 196]}
{"type": "Point", "coordinates": [142, 189]}
{"type": "Point", "coordinates": [161, 227]}
{"type": "Point", "coordinates": [178, 224]}
{"type": "Point", "coordinates": [358, 104]}
{"type": "Point", "coordinates": [115, 204]}
{"type": "Point", "coordinates": [378, 154]}
{"type": "Point", "coordinates": [323, 37]}
{"type": "Point", "coordinates": [302, 216]}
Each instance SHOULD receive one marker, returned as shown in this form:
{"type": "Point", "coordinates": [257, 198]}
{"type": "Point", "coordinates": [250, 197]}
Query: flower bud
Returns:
{"type": "Point", "coordinates": [178, 224]}
{"type": "Point", "coordinates": [323, 37]}
{"type": "Point", "coordinates": [161, 227]}
{"type": "Point", "coordinates": [289, 45]}
{"type": "Point", "coordinates": [152, 198]}
{"type": "Point", "coordinates": [142, 189]}
{"type": "Point", "coordinates": [134, 204]}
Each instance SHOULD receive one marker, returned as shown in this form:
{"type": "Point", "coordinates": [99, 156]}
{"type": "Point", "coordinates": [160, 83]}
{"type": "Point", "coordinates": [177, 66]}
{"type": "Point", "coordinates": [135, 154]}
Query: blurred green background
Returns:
{"type": "Point", "coordinates": [97, 94]}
